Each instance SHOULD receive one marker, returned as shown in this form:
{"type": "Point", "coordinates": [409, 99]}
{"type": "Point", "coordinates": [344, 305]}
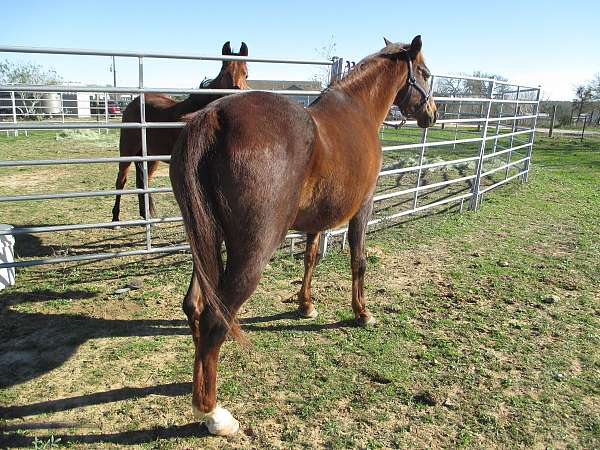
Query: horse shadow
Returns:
{"type": "Point", "coordinates": [35, 343]}
{"type": "Point", "coordinates": [29, 245]}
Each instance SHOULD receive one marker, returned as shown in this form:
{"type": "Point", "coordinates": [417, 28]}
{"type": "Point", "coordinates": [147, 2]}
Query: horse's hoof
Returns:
{"type": "Point", "coordinates": [219, 421]}
{"type": "Point", "coordinates": [366, 321]}
{"type": "Point", "coordinates": [311, 314]}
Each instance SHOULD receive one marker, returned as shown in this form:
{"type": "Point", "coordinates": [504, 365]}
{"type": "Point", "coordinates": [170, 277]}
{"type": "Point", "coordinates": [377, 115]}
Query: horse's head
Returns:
{"type": "Point", "coordinates": [234, 74]}
{"type": "Point", "coordinates": [414, 97]}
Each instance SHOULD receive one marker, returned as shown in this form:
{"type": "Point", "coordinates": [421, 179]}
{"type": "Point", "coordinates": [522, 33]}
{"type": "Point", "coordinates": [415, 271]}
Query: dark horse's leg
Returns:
{"type": "Point", "coordinates": [306, 308]}
{"type": "Point", "coordinates": [356, 237]}
{"type": "Point", "coordinates": [120, 184]}
{"type": "Point", "coordinates": [139, 182]}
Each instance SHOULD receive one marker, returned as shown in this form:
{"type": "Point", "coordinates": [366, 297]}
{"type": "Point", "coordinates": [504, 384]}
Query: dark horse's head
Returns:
{"type": "Point", "coordinates": [414, 97]}
{"type": "Point", "coordinates": [234, 74]}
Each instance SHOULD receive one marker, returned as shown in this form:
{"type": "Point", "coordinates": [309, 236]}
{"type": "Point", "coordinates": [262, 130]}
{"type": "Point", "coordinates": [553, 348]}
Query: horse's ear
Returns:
{"type": "Point", "coordinates": [226, 48]}
{"type": "Point", "coordinates": [243, 49]}
{"type": "Point", "coordinates": [415, 47]}
{"type": "Point", "coordinates": [387, 41]}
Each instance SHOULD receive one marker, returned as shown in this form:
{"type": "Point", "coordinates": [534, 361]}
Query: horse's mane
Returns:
{"type": "Point", "coordinates": [365, 70]}
{"type": "Point", "coordinates": [205, 83]}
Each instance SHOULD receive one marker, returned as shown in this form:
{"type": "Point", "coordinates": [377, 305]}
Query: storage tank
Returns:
{"type": "Point", "coordinates": [51, 104]}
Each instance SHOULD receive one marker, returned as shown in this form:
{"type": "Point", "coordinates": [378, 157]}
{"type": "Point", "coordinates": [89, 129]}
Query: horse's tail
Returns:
{"type": "Point", "coordinates": [196, 198]}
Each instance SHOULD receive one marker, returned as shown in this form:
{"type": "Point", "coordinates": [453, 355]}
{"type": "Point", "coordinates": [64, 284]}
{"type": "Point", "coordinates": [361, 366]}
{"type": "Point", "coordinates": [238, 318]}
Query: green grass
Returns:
{"type": "Point", "coordinates": [468, 352]}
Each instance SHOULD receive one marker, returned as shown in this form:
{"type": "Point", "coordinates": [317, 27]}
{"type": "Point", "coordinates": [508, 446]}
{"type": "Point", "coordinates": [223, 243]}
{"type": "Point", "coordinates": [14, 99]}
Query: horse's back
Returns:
{"type": "Point", "coordinates": [260, 150]}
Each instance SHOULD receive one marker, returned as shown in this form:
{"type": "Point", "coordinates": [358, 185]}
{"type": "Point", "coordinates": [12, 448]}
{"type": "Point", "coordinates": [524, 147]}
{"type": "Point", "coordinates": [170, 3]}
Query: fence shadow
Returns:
{"type": "Point", "coordinates": [33, 344]}
{"type": "Point", "coordinates": [97, 398]}
{"type": "Point", "coordinates": [123, 438]}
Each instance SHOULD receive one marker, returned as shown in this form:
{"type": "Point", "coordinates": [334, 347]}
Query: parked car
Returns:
{"type": "Point", "coordinates": [98, 107]}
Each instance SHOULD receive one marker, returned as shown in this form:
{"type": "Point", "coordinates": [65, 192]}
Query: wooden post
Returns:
{"type": "Point", "coordinates": [585, 119]}
{"type": "Point", "coordinates": [552, 120]}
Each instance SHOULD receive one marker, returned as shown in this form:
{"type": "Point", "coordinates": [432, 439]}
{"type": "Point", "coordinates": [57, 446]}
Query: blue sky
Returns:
{"type": "Point", "coordinates": [552, 43]}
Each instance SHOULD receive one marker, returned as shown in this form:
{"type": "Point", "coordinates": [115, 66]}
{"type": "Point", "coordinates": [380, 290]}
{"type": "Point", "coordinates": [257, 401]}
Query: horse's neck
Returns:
{"type": "Point", "coordinates": [369, 94]}
{"type": "Point", "coordinates": [194, 102]}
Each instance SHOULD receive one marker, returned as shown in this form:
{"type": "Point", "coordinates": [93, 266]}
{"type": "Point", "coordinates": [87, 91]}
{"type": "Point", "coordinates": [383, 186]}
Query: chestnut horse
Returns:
{"type": "Point", "coordinates": [250, 166]}
{"type": "Point", "coordinates": [162, 108]}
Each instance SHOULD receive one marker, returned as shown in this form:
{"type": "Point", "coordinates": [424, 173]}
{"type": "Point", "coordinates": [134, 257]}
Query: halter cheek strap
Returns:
{"type": "Point", "coordinates": [411, 83]}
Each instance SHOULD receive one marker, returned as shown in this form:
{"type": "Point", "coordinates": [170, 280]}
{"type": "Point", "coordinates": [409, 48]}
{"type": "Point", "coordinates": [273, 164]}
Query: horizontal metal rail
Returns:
{"type": "Point", "coordinates": [64, 195]}
{"type": "Point", "coordinates": [427, 166]}
{"type": "Point", "coordinates": [96, 256]}
{"type": "Point", "coordinates": [497, 169]}
{"type": "Point", "coordinates": [504, 151]}
{"type": "Point", "coordinates": [421, 188]}
{"type": "Point", "coordinates": [87, 226]}
{"type": "Point", "coordinates": [468, 77]}
{"type": "Point", "coordinates": [473, 120]}
{"type": "Point", "coordinates": [407, 212]}
{"type": "Point", "coordinates": [156, 55]}
{"type": "Point", "coordinates": [499, 183]}
{"type": "Point", "coordinates": [87, 125]}
{"type": "Point", "coordinates": [389, 148]}
{"type": "Point", "coordinates": [138, 90]}
{"type": "Point", "coordinates": [482, 100]}
{"type": "Point", "coordinates": [50, 162]}
{"type": "Point", "coordinates": [451, 142]}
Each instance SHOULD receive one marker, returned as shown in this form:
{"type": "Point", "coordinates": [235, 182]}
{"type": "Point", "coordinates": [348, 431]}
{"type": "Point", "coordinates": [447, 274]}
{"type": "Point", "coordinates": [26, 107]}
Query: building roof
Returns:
{"type": "Point", "coordinates": [285, 85]}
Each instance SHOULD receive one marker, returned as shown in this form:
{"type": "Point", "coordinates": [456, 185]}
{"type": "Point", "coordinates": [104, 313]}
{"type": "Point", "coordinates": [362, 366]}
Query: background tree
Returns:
{"type": "Point", "coordinates": [595, 86]}
{"type": "Point", "coordinates": [583, 95]}
{"type": "Point", "coordinates": [326, 51]}
{"type": "Point", "coordinates": [28, 103]}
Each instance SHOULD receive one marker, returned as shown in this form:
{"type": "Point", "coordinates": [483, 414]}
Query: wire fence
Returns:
{"type": "Point", "coordinates": [482, 140]}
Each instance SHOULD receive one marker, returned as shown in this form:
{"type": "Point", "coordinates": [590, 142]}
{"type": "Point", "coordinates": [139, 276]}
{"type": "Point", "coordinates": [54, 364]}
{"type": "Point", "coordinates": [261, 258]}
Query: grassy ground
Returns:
{"type": "Point", "coordinates": [487, 336]}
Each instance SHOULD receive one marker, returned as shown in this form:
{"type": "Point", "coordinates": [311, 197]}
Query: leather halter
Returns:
{"type": "Point", "coordinates": [411, 83]}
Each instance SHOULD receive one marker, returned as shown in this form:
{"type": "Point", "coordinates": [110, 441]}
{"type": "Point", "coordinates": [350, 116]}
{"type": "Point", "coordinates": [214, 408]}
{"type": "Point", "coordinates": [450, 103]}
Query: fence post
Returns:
{"type": "Point", "coordinates": [14, 111]}
{"type": "Point", "coordinates": [532, 137]}
{"type": "Point", "coordinates": [456, 125]}
{"type": "Point", "coordinates": [323, 241]}
{"type": "Point", "coordinates": [106, 109]}
{"type": "Point", "coordinates": [513, 129]}
{"type": "Point", "coordinates": [144, 153]}
{"type": "Point", "coordinates": [62, 107]}
{"type": "Point", "coordinates": [585, 119]}
{"type": "Point", "coordinates": [336, 69]}
{"type": "Point", "coordinates": [498, 125]}
{"type": "Point", "coordinates": [476, 186]}
{"type": "Point", "coordinates": [421, 158]}
{"type": "Point", "coordinates": [552, 119]}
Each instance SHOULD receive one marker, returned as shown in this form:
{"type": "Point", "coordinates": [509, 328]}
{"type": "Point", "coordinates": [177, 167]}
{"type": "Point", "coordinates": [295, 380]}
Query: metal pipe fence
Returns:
{"type": "Point", "coordinates": [482, 140]}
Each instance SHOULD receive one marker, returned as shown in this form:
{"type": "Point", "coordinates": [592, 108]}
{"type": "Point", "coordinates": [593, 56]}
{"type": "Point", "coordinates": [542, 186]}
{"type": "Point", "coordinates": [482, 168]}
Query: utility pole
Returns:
{"type": "Point", "coordinates": [114, 71]}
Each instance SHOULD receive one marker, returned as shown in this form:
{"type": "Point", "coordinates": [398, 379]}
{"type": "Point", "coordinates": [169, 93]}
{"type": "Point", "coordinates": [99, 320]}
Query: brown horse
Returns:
{"type": "Point", "coordinates": [162, 108]}
{"type": "Point", "coordinates": [251, 166]}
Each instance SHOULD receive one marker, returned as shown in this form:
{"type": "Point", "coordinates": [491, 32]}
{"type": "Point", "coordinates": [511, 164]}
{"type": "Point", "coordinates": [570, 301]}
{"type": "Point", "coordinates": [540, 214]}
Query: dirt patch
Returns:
{"type": "Point", "coordinates": [28, 178]}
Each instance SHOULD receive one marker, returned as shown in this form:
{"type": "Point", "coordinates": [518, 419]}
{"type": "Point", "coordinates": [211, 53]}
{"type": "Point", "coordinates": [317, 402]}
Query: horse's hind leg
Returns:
{"type": "Point", "coordinates": [120, 184]}
{"type": "Point", "coordinates": [306, 307]}
{"type": "Point", "coordinates": [245, 263]}
{"type": "Point", "coordinates": [356, 237]}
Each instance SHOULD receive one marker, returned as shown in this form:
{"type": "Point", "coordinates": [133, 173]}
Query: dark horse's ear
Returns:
{"type": "Point", "coordinates": [226, 48]}
{"type": "Point", "coordinates": [243, 49]}
{"type": "Point", "coordinates": [415, 47]}
{"type": "Point", "coordinates": [387, 41]}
